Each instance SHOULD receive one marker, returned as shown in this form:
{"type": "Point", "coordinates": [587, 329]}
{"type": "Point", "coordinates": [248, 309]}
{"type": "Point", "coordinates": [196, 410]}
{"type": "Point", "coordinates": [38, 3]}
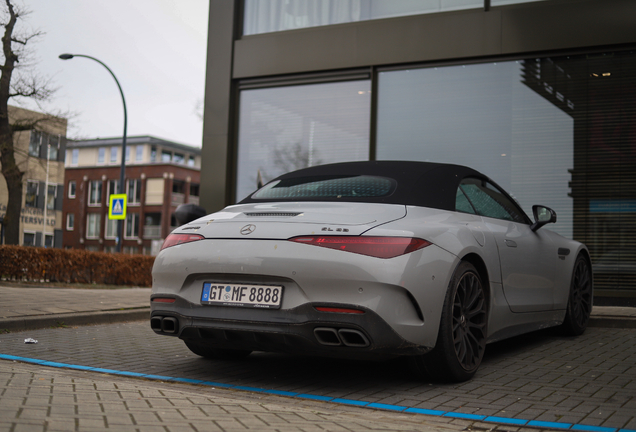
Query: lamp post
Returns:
{"type": "Point", "coordinates": [122, 173]}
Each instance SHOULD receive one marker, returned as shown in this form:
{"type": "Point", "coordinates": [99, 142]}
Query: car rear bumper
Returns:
{"type": "Point", "coordinates": [301, 330]}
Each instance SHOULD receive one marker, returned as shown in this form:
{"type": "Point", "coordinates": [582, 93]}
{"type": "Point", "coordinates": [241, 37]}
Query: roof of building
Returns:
{"type": "Point", "coordinates": [132, 140]}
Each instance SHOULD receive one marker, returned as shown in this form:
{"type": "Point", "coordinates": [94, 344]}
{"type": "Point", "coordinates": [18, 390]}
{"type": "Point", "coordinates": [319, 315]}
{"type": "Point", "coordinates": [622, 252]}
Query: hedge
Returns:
{"type": "Point", "coordinates": [26, 263]}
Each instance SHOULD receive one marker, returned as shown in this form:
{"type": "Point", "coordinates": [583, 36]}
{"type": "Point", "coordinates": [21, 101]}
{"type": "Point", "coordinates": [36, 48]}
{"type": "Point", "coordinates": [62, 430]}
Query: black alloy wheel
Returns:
{"type": "Point", "coordinates": [461, 342]}
{"type": "Point", "coordinates": [580, 299]}
{"type": "Point", "coordinates": [469, 321]}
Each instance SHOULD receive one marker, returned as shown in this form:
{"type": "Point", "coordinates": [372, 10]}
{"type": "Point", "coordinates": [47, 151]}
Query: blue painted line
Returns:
{"type": "Point", "coordinates": [464, 416]}
{"type": "Point", "coordinates": [246, 388]}
{"type": "Point", "coordinates": [188, 380]}
{"type": "Point", "coordinates": [281, 393]}
{"type": "Point", "coordinates": [350, 402]}
{"type": "Point", "coordinates": [132, 374]}
{"type": "Point", "coordinates": [425, 411]}
{"type": "Point", "coordinates": [53, 364]}
{"type": "Point", "coordinates": [492, 419]}
{"type": "Point", "coordinates": [593, 428]}
{"type": "Point", "coordinates": [506, 420]}
{"type": "Point", "coordinates": [556, 425]}
{"type": "Point", "coordinates": [78, 367]}
{"type": "Point", "coordinates": [315, 397]}
{"type": "Point", "coordinates": [158, 377]}
{"type": "Point", "coordinates": [216, 384]}
{"type": "Point", "coordinates": [103, 370]}
{"type": "Point", "coordinates": [386, 406]}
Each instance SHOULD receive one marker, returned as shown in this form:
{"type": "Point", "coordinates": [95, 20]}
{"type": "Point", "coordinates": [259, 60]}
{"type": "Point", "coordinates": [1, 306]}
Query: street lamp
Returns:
{"type": "Point", "coordinates": [122, 173]}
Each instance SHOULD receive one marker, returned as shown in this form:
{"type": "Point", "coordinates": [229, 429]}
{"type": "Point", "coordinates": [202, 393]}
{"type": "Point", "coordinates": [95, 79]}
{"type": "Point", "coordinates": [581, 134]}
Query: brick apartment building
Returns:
{"type": "Point", "coordinates": [160, 175]}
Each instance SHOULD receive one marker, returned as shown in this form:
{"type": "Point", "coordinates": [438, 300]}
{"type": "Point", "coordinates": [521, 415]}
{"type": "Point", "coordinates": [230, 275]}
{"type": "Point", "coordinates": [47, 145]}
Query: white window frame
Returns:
{"type": "Point", "coordinates": [72, 189]}
{"type": "Point", "coordinates": [90, 190]}
{"type": "Point", "coordinates": [70, 221]}
{"type": "Point", "coordinates": [101, 156]}
{"type": "Point", "coordinates": [113, 155]}
{"type": "Point", "coordinates": [37, 193]}
{"type": "Point", "coordinates": [137, 184]}
{"type": "Point", "coordinates": [74, 157]}
{"type": "Point", "coordinates": [139, 154]}
{"type": "Point", "coordinates": [97, 225]}
{"type": "Point", "coordinates": [112, 224]}
{"type": "Point", "coordinates": [49, 194]}
{"type": "Point", "coordinates": [135, 221]}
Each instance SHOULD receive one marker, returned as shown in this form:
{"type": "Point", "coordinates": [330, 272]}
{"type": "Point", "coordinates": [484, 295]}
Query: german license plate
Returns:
{"type": "Point", "coordinates": [251, 296]}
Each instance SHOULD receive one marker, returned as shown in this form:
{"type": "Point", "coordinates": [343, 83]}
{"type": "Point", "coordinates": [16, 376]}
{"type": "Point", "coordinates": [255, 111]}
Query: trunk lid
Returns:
{"type": "Point", "coordinates": [285, 220]}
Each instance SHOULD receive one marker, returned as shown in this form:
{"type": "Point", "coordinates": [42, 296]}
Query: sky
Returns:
{"type": "Point", "coordinates": [156, 48]}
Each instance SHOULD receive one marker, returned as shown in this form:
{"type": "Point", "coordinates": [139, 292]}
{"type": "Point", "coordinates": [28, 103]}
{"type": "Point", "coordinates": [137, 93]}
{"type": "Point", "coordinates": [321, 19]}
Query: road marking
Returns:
{"type": "Point", "coordinates": [365, 404]}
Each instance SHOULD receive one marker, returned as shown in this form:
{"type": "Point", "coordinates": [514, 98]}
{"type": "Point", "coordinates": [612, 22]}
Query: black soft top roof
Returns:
{"type": "Point", "coordinates": [423, 184]}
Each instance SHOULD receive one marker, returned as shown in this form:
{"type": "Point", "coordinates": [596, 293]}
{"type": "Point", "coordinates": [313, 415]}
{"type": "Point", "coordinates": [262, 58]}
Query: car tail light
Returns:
{"type": "Point", "coordinates": [177, 239]}
{"type": "Point", "coordinates": [379, 247]}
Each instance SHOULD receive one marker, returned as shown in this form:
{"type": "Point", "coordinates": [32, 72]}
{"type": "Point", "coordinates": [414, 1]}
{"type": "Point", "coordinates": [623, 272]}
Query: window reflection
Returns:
{"type": "Point", "coordinates": [287, 128]}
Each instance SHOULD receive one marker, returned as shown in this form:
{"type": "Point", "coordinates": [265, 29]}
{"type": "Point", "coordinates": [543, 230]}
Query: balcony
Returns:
{"type": "Point", "coordinates": [152, 231]}
{"type": "Point", "coordinates": [177, 198]}
{"type": "Point", "coordinates": [193, 200]}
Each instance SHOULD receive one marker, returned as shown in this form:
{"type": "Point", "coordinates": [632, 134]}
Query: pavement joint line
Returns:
{"type": "Point", "coordinates": [343, 401]}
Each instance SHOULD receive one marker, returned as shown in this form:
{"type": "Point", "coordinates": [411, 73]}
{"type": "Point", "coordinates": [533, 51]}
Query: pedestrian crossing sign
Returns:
{"type": "Point", "coordinates": [117, 207]}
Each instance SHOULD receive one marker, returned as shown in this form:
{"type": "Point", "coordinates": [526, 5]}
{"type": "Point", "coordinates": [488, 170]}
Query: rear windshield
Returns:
{"type": "Point", "coordinates": [326, 187]}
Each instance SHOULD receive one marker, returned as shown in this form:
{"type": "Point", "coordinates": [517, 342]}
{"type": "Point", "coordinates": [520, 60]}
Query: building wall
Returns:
{"type": "Point", "coordinates": [89, 150]}
{"type": "Point", "coordinates": [559, 109]}
{"type": "Point", "coordinates": [149, 237]}
{"type": "Point", "coordinates": [557, 26]}
{"type": "Point", "coordinates": [36, 222]}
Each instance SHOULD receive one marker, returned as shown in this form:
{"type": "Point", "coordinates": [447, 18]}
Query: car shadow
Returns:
{"type": "Point", "coordinates": [338, 377]}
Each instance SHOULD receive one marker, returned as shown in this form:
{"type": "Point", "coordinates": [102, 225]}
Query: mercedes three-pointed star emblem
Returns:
{"type": "Point", "coordinates": [248, 229]}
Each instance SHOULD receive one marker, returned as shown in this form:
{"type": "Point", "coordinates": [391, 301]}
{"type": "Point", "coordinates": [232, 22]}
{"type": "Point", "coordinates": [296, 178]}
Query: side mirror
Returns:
{"type": "Point", "coordinates": [542, 215]}
{"type": "Point", "coordinates": [186, 213]}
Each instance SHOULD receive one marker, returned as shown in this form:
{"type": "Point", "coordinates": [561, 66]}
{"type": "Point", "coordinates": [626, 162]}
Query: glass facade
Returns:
{"type": "Point", "coordinates": [287, 128]}
{"type": "Point", "coordinates": [556, 131]}
{"type": "Point", "coordinates": [264, 16]}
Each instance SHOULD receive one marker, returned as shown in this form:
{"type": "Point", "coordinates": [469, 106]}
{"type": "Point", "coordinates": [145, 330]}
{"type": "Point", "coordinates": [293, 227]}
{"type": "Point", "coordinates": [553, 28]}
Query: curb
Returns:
{"type": "Point", "coordinates": [116, 316]}
{"type": "Point", "coordinates": [612, 322]}
{"type": "Point", "coordinates": [74, 319]}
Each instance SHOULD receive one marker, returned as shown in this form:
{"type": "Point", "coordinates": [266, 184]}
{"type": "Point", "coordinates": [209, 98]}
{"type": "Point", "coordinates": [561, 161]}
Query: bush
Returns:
{"type": "Point", "coordinates": [24, 263]}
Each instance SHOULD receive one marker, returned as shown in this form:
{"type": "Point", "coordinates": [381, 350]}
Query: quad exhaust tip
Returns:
{"type": "Point", "coordinates": [338, 337]}
{"type": "Point", "coordinates": [168, 325]}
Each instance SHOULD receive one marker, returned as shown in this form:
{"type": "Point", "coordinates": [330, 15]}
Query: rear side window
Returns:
{"type": "Point", "coordinates": [487, 200]}
{"type": "Point", "coordinates": [327, 187]}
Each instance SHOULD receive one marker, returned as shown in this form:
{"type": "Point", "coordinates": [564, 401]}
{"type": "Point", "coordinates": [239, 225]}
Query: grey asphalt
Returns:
{"type": "Point", "coordinates": [589, 380]}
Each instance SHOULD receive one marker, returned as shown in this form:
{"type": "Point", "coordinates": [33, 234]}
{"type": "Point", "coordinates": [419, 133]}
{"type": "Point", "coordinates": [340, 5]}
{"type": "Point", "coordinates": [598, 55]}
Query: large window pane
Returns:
{"type": "Point", "coordinates": [554, 131]}
{"type": "Point", "coordinates": [263, 16]}
{"type": "Point", "coordinates": [286, 128]}
{"type": "Point", "coordinates": [482, 116]}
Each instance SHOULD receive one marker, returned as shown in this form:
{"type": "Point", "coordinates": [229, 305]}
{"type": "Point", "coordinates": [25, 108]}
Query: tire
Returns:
{"type": "Point", "coordinates": [461, 341]}
{"type": "Point", "coordinates": [216, 353]}
{"type": "Point", "coordinates": [580, 299]}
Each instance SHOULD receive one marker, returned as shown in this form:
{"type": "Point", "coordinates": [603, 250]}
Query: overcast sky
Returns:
{"type": "Point", "coordinates": [156, 48]}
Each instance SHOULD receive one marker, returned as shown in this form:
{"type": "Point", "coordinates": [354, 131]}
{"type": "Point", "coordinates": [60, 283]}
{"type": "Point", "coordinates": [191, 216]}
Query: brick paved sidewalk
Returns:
{"type": "Point", "coordinates": [25, 308]}
{"type": "Point", "coordinates": [35, 398]}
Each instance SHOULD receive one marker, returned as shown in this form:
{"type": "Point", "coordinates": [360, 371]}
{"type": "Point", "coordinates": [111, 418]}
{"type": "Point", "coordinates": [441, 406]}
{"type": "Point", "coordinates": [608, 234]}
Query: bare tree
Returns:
{"type": "Point", "coordinates": [17, 81]}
